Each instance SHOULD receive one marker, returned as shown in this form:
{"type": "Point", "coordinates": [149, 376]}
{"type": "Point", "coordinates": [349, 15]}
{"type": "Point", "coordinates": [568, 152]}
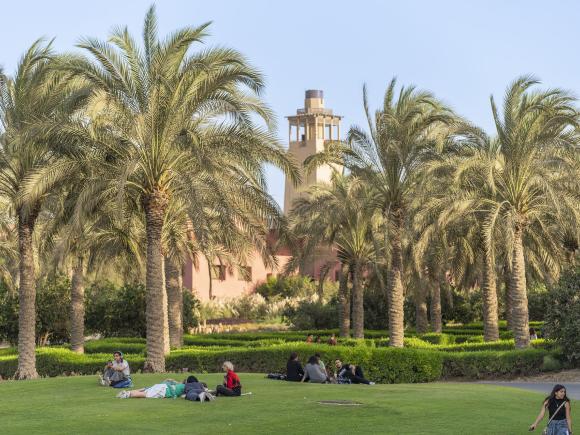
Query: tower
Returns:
{"type": "Point", "coordinates": [308, 131]}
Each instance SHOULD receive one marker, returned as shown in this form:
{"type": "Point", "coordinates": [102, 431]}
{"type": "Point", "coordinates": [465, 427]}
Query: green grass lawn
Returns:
{"type": "Point", "coordinates": [70, 405]}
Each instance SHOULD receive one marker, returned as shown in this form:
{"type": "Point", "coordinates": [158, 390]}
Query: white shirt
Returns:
{"type": "Point", "coordinates": [122, 366]}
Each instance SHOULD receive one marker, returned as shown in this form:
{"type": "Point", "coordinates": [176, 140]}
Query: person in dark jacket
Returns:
{"type": "Point", "coordinates": [231, 385]}
{"type": "Point", "coordinates": [294, 370]}
{"type": "Point", "coordinates": [349, 374]}
{"type": "Point", "coordinates": [197, 391]}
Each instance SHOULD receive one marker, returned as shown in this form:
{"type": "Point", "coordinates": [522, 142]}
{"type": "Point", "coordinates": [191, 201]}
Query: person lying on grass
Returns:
{"type": "Point", "coordinates": [558, 406]}
{"type": "Point", "coordinates": [116, 372]}
{"type": "Point", "coordinates": [169, 388]}
{"type": "Point", "coordinates": [313, 372]}
{"type": "Point", "coordinates": [231, 385]}
{"type": "Point", "coordinates": [349, 374]}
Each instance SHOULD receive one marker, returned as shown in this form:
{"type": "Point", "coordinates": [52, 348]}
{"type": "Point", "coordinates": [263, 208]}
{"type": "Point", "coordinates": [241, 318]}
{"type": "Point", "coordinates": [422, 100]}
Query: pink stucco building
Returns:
{"type": "Point", "coordinates": [308, 130]}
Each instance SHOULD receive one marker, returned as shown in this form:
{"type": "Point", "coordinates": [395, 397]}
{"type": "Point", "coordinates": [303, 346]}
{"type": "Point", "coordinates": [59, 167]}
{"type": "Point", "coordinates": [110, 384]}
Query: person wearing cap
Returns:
{"type": "Point", "coordinates": [116, 371]}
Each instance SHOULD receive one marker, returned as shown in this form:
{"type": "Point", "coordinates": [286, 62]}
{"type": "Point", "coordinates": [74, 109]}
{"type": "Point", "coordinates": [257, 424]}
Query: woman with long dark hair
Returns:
{"type": "Point", "coordinates": [558, 406]}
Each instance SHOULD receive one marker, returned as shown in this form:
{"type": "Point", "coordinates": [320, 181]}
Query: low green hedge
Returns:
{"type": "Point", "coordinates": [493, 364]}
{"type": "Point", "coordinates": [60, 361]}
{"type": "Point", "coordinates": [384, 365]}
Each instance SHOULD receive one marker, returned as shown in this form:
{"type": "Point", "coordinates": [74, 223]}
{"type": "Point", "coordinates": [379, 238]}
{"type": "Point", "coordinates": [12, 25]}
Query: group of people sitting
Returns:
{"type": "Point", "coordinates": [332, 341]}
{"type": "Point", "coordinates": [315, 371]}
{"type": "Point", "coordinates": [117, 374]}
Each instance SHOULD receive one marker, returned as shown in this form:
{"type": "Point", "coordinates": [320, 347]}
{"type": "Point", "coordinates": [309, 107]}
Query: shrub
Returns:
{"type": "Point", "coordinates": [287, 287]}
{"type": "Point", "coordinates": [563, 314]}
{"type": "Point", "coordinates": [493, 364]}
{"type": "Point", "coordinates": [538, 301]}
{"type": "Point", "coordinates": [312, 314]}
{"type": "Point", "coordinates": [120, 312]}
{"type": "Point", "coordinates": [52, 311]}
{"type": "Point", "coordinates": [550, 364]}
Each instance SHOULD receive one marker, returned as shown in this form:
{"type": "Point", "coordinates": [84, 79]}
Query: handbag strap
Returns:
{"type": "Point", "coordinates": [557, 410]}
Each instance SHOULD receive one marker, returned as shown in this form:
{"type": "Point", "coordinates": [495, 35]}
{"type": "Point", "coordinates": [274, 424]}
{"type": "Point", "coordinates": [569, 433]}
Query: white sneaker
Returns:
{"type": "Point", "coordinates": [123, 395]}
{"type": "Point", "coordinates": [371, 383]}
{"type": "Point", "coordinates": [103, 381]}
{"type": "Point", "coordinates": [202, 397]}
{"type": "Point", "coordinates": [209, 397]}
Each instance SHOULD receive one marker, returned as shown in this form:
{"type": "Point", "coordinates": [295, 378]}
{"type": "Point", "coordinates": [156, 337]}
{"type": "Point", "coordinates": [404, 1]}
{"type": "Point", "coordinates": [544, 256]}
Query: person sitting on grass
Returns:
{"type": "Point", "coordinates": [349, 374]}
{"type": "Point", "coordinates": [309, 338]}
{"type": "Point", "coordinates": [294, 371]}
{"type": "Point", "coordinates": [116, 372]}
{"type": "Point", "coordinates": [231, 385]}
{"type": "Point", "coordinates": [558, 406]}
{"type": "Point", "coordinates": [313, 372]}
{"type": "Point", "coordinates": [169, 388]}
{"type": "Point", "coordinates": [332, 340]}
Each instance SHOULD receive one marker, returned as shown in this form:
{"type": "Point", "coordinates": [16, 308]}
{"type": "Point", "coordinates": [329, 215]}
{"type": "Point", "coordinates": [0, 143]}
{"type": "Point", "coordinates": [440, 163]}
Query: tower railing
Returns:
{"type": "Point", "coordinates": [320, 110]}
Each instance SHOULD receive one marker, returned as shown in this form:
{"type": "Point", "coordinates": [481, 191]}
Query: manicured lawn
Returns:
{"type": "Point", "coordinates": [77, 405]}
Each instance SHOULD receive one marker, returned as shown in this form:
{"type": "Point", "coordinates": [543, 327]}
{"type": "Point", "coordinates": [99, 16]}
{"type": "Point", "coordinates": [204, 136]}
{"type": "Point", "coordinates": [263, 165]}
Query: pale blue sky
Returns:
{"type": "Point", "coordinates": [461, 50]}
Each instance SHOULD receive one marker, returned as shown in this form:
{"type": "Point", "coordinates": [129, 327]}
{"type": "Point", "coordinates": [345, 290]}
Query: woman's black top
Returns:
{"type": "Point", "coordinates": [553, 404]}
{"type": "Point", "coordinates": [294, 371]}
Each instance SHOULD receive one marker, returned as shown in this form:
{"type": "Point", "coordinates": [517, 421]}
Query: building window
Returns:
{"type": "Point", "coordinates": [245, 273]}
{"type": "Point", "coordinates": [218, 271]}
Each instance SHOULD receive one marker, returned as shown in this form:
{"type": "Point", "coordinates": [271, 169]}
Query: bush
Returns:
{"type": "Point", "coordinates": [52, 311]}
{"type": "Point", "coordinates": [116, 312]}
{"type": "Point", "coordinates": [312, 314]}
{"type": "Point", "coordinates": [120, 312]}
{"type": "Point", "coordinates": [493, 364]}
{"type": "Point", "coordinates": [287, 287]}
{"type": "Point", "coordinates": [563, 314]}
{"type": "Point", "coordinates": [376, 308]}
{"type": "Point", "coordinates": [538, 301]}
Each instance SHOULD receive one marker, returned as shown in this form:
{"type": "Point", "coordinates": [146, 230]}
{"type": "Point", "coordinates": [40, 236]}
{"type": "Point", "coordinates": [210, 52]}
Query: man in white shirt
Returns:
{"type": "Point", "coordinates": [116, 371]}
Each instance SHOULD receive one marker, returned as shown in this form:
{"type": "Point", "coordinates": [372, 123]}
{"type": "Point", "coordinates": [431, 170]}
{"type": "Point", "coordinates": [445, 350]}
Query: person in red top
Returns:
{"type": "Point", "coordinates": [231, 386]}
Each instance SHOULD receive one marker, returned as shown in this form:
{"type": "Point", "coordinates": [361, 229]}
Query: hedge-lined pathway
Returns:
{"type": "Point", "coordinates": [572, 388]}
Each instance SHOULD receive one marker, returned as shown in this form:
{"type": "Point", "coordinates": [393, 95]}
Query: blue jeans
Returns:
{"type": "Point", "coordinates": [558, 427]}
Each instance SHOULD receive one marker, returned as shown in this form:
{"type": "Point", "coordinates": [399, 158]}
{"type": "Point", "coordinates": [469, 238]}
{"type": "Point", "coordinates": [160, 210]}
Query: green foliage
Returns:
{"type": "Point", "coordinates": [308, 314]}
{"type": "Point", "coordinates": [120, 311]}
{"type": "Point", "coordinates": [493, 364]}
{"type": "Point", "coordinates": [287, 287]}
{"type": "Point", "coordinates": [112, 311]}
{"type": "Point", "coordinates": [464, 309]}
{"type": "Point", "coordinates": [375, 306]}
{"type": "Point", "coordinates": [551, 364]}
{"type": "Point", "coordinates": [538, 301]}
{"type": "Point", "coordinates": [52, 311]}
{"type": "Point", "coordinates": [563, 314]}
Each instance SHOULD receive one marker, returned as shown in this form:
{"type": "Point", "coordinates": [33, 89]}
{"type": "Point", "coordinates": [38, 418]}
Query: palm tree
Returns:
{"type": "Point", "coordinates": [402, 135]}
{"type": "Point", "coordinates": [536, 187]}
{"type": "Point", "coordinates": [162, 117]}
{"type": "Point", "coordinates": [30, 103]}
{"type": "Point", "coordinates": [338, 215]}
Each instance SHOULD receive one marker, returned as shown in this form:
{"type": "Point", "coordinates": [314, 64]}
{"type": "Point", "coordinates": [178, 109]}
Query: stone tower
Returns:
{"type": "Point", "coordinates": [308, 131]}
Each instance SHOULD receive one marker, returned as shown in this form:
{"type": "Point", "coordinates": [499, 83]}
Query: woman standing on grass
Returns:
{"type": "Point", "coordinates": [558, 406]}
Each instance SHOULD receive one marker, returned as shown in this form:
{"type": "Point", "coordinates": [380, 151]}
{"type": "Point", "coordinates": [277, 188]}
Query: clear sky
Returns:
{"type": "Point", "coordinates": [461, 50]}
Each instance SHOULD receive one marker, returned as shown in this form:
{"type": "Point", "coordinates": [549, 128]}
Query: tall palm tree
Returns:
{"type": "Point", "coordinates": [338, 215]}
{"type": "Point", "coordinates": [404, 133]}
{"type": "Point", "coordinates": [162, 117]}
{"type": "Point", "coordinates": [536, 187]}
{"type": "Point", "coordinates": [31, 102]}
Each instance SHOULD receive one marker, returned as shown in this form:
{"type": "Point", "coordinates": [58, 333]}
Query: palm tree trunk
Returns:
{"type": "Point", "coordinates": [518, 292]}
{"type": "Point", "coordinates": [155, 205]}
{"type": "Point", "coordinates": [27, 301]}
{"type": "Point", "coordinates": [344, 302]}
{"type": "Point", "coordinates": [421, 309]}
{"type": "Point", "coordinates": [166, 342]}
{"type": "Point", "coordinates": [509, 311]}
{"type": "Point", "coordinates": [77, 329]}
{"type": "Point", "coordinates": [175, 304]}
{"type": "Point", "coordinates": [435, 314]}
{"type": "Point", "coordinates": [395, 291]}
{"type": "Point", "coordinates": [358, 313]}
{"type": "Point", "coordinates": [489, 290]}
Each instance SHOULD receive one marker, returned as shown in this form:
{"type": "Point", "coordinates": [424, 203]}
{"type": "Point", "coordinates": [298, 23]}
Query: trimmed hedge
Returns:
{"type": "Point", "coordinates": [490, 364]}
